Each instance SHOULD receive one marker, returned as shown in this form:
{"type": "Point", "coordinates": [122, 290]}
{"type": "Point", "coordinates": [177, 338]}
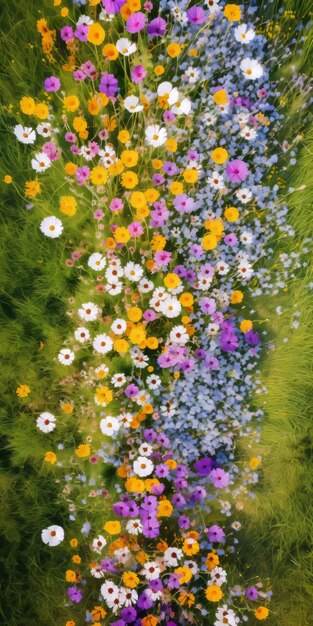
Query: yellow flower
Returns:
{"type": "Point", "coordinates": [98, 613]}
{"type": "Point", "coordinates": [176, 188]}
{"type": "Point", "coordinates": [23, 391]}
{"type": "Point", "coordinates": [129, 179]}
{"type": "Point", "coordinates": [8, 179]}
{"type": "Point", "coordinates": [50, 457]}
{"type": "Point", "coordinates": [32, 188]}
{"type": "Point", "coordinates": [157, 243]}
{"type": "Point", "coordinates": [171, 144]}
{"type": "Point", "coordinates": [113, 527]}
{"type": "Point", "coordinates": [123, 136]}
{"type": "Point", "coordinates": [232, 12]}
{"type": "Point", "coordinates": [220, 97]}
{"type": "Point", "coordinates": [171, 281]}
{"type": "Point", "coordinates": [79, 124]}
{"type": "Point", "coordinates": [150, 620]}
{"type": "Point", "coordinates": [98, 175]}
{"type": "Point", "coordinates": [236, 297]}
{"type": "Point", "coordinates": [254, 463]}
{"type": "Point", "coordinates": [110, 51]}
{"type": "Point", "coordinates": [122, 235]}
{"type": "Point", "coordinates": [137, 334]}
{"type": "Point", "coordinates": [71, 103]}
{"type": "Point", "coordinates": [76, 559]}
{"type": "Point", "coordinates": [70, 623]}
{"type": "Point", "coordinates": [165, 509]}
{"type": "Point", "coordinates": [186, 299]}
{"type": "Point", "coordinates": [209, 242]}
{"type": "Point", "coordinates": [70, 168]}
{"type": "Point", "coordinates": [159, 70]}
{"type": "Point", "coordinates": [116, 168]}
{"type": "Point", "coordinates": [96, 34]}
{"type": "Point", "coordinates": [152, 195]}
{"type": "Point", "coordinates": [94, 105]}
{"type": "Point", "coordinates": [261, 612]}
{"type": "Point", "coordinates": [130, 579]}
{"type": "Point", "coordinates": [27, 105]}
{"type": "Point", "coordinates": [137, 199]}
{"type": "Point", "coordinates": [214, 593]}
{"type": "Point", "coordinates": [184, 573]}
{"type": "Point", "coordinates": [70, 576]}
{"type": "Point", "coordinates": [212, 560]}
{"type": "Point", "coordinates": [67, 407]}
{"type": "Point", "coordinates": [134, 5]}
{"type": "Point", "coordinates": [150, 483]}
{"type": "Point", "coordinates": [152, 343]}
{"type": "Point", "coordinates": [191, 176]}
{"type": "Point", "coordinates": [64, 12]}
{"type": "Point", "coordinates": [134, 314]}
{"type": "Point", "coordinates": [231, 214]}
{"type": "Point", "coordinates": [73, 543]}
{"type": "Point", "coordinates": [121, 346]}
{"type": "Point", "coordinates": [142, 213]}
{"type": "Point", "coordinates": [135, 485]}
{"type": "Point", "coordinates": [190, 547]}
{"type": "Point", "coordinates": [68, 205]}
{"type": "Point", "coordinates": [173, 50]}
{"type": "Point", "coordinates": [129, 157]}
{"type": "Point", "coordinates": [104, 395]}
{"type": "Point", "coordinates": [215, 226]}
{"type": "Point", "coordinates": [83, 450]}
{"type": "Point", "coordinates": [219, 155]}
{"type": "Point", "coordinates": [186, 598]}
{"type": "Point", "coordinates": [245, 325]}
{"type": "Point", "coordinates": [41, 111]}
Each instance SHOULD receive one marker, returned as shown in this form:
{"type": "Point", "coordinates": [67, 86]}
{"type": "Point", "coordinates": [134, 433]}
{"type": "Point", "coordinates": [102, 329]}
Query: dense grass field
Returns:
{"type": "Point", "coordinates": [278, 522]}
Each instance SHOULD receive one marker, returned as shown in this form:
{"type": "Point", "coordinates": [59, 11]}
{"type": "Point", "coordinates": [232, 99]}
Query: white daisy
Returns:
{"type": "Point", "coordinates": [203, 282]}
{"type": "Point", "coordinates": [245, 270]}
{"type": "Point", "coordinates": [40, 162]}
{"type": "Point", "coordinates": [82, 334]}
{"type": "Point", "coordinates": [179, 335]}
{"type": "Point", "coordinates": [153, 381]}
{"type": "Point", "coordinates": [118, 380]}
{"type": "Point", "coordinates": [192, 73]}
{"type": "Point", "coordinates": [89, 311]}
{"type": "Point", "coordinates": [133, 271]}
{"type": "Point", "coordinates": [53, 535]}
{"type": "Point", "coordinates": [226, 617]}
{"type": "Point", "coordinates": [243, 34]}
{"type": "Point", "coordinates": [213, 6]}
{"type": "Point", "coordinates": [51, 227]}
{"type": "Point", "coordinates": [251, 68]}
{"type": "Point", "coordinates": [96, 571]}
{"type": "Point", "coordinates": [24, 134]}
{"type": "Point", "coordinates": [155, 135]}
{"type": "Point", "coordinates": [218, 576]}
{"type": "Point", "coordinates": [102, 343]}
{"type": "Point", "coordinates": [107, 155]}
{"type": "Point", "coordinates": [119, 326]}
{"type": "Point", "coordinates": [182, 107]}
{"type": "Point", "coordinates": [109, 425]}
{"type": "Point", "coordinates": [114, 288]}
{"type": "Point", "coordinates": [192, 566]}
{"type": "Point", "coordinates": [84, 19]}
{"type": "Point", "coordinates": [244, 195]}
{"type": "Point", "coordinates": [114, 272]}
{"type": "Point", "coordinates": [151, 570]}
{"type": "Point", "coordinates": [143, 466]}
{"type": "Point", "coordinates": [213, 328]}
{"type": "Point", "coordinates": [125, 46]}
{"type": "Point", "coordinates": [242, 118]}
{"type": "Point", "coordinates": [216, 180]}
{"type": "Point", "coordinates": [102, 371]}
{"type": "Point", "coordinates": [134, 527]}
{"type": "Point", "coordinates": [145, 285]}
{"type": "Point", "coordinates": [109, 590]}
{"type": "Point", "coordinates": [132, 104]}
{"type": "Point", "coordinates": [139, 359]}
{"type": "Point", "coordinates": [167, 92]}
{"type": "Point", "coordinates": [66, 356]}
{"type": "Point", "coordinates": [98, 544]}
{"type": "Point", "coordinates": [222, 268]}
{"type": "Point", "coordinates": [170, 307]}
{"type": "Point", "coordinates": [46, 422]}
{"type": "Point", "coordinates": [145, 449]}
{"type": "Point", "coordinates": [248, 133]}
{"type": "Point", "coordinates": [97, 261]}
{"type": "Point", "coordinates": [246, 238]}
{"type": "Point", "coordinates": [44, 129]}
{"type": "Point", "coordinates": [209, 118]}
{"type": "Point", "coordinates": [172, 556]}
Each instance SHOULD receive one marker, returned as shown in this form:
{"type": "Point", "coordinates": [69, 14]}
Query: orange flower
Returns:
{"type": "Point", "coordinates": [23, 391]}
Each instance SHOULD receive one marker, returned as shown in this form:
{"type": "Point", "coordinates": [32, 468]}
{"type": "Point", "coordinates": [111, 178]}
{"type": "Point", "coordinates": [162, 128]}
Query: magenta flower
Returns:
{"type": "Point", "coordinates": [52, 84]}
{"type": "Point", "coordinates": [136, 22]}
{"type": "Point", "coordinates": [135, 229]}
{"type": "Point", "coordinates": [196, 15]}
{"type": "Point", "coordinates": [237, 171]}
{"type": "Point", "coordinates": [157, 27]}
{"type": "Point", "coordinates": [215, 534]}
{"type": "Point", "coordinates": [138, 73]}
{"type": "Point", "coordinates": [67, 33]}
{"type": "Point", "coordinates": [113, 6]}
{"type": "Point", "coordinates": [219, 478]}
{"type": "Point", "coordinates": [108, 85]}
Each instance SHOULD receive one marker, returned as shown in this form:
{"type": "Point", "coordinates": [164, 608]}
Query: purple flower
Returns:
{"type": "Point", "coordinates": [81, 32]}
{"type": "Point", "coordinates": [107, 565]}
{"type": "Point", "coordinates": [178, 500]}
{"type": "Point", "coordinates": [158, 179]}
{"type": "Point", "coordinates": [207, 305]}
{"type": "Point", "coordinates": [204, 466]}
{"type": "Point", "coordinates": [231, 240]}
{"type": "Point", "coordinates": [129, 614]}
{"type": "Point", "coordinates": [157, 27]}
{"type": "Point", "coordinates": [215, 534]}
{"type": "Point", "coordinates": [67, 33]}
{"type": "Point", "coordinates": [149, 434]}
{"type": "Point", "coordinates": [138, 73]}
{"type": "Point", "coordinates": [149, 315]}
{"type": "Point", "coordinates": [52, 83]}
{"type": "Point", "coordinates": [237, 171]}
{"type": "Point", "coordinates": [196, 15]}
{"type": "Point", "coordinates": [212, 363]}
{"type": "Point", "coordinates": [113, 6]}
{"type": "Point", "coordinates": [136, 22]}
{"type": "Point", "coordinates": [75, 594]}
{"type": "Point", "coordinates": [252, 593]}
{"type": "Point", "coordinates": [173, 581]}
{"type": "Point", "coordinates": [182, 203]}
{"type": "Point", "coordinates": [108, 85]}
{"type": "Point", "coordinates": [252, 339]}
{"type": "Point", "coordinates": [156, 584]}
{"type": "Point", "coordinates": [219, 478]}
{"type": "Point", "coordinates": [82, 173]}
{"type": "Point", "coordinates": [131, 390]}
{"type": "Point", "coordinates": [144, 600]}
{"type": "Point", "coordinates": [170, 168]}
{"type": "Point", "coordinates": [168, 117]}
{"type": "Point", "coordinates": [184, 522]}
{"type": "Point", "coordinates": [162, 470]}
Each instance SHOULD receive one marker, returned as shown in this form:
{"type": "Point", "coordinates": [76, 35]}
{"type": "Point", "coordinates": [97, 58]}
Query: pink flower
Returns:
{"type": "Point", "coordinates": [116, 204]}
{"type": "Point", "coordinates": [237, 171]}
{"type": "Point", "coordinates": [138, 74]}
{"type": "Point", "coordinates": [136, 22]}
{"type": "Point", "coordinates": [219, 478]}
{"type": "Point", "coordinates": [135, 229]}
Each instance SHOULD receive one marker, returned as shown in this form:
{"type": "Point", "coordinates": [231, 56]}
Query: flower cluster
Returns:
{"type": "Point", "coordinates": [162, 127]}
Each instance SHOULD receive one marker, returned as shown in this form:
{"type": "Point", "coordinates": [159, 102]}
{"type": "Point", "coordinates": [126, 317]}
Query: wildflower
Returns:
{"type": "Point", "coordinates": [219, 155]}
{"type": "Point", "coordinates": [155, 135]}
{"type": "Point", "coordinates": [68, 205]}
{"type": "Point", "coordinates": [261, 613]}
{"type": "Point", "coordinates": [95, 34]}
{"type": "Point", "coordinates": [24, 134]}
{"type": "Point", "coordinates": [213, 593]}
{"type": "Point", "coordinates": [82, 451]}
{"type": "Point", "coordinates": [23, 391]}
{"type": "Point", "coordinates": [27, 105]}
{"type": "Point", "coordinates": [40, 162]}
{"type": "Point", "coordinates": [125, 46]}
{"type": "Point", "coordinates": [66, 356]}
{"type": "Point", "coordinates": [132, 104]}
{"type": "Point", "coordinates": [52, 83]}
{"type": "Point", "coordinates": [232, 12]}
{"type": "Point", "coordinates": [251, 68]}
{"type": "Point", "coordinates": [8, 179]}
{"type": "Point", "coordinates": [237, 171]}
{"type": "Point", "coordinates": [52, 535]}
{"type": "Point", "coordinates": [46, 422]}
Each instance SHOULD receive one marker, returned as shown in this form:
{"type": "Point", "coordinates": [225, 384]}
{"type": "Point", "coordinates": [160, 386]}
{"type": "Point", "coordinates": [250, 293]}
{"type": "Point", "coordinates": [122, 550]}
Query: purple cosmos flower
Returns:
{"type": "Point", "coordinates": [131, 390]}
{"type": "Point", "coordinates": [173, 581]}
{"type": "Point", "coordinates": [67, 33]}
{"type": "Point", "coordinates": [138, 74]}
{"type": "Point", "coordinates": [196, 250]}
{"type": "Point", "coordinates": [149, 435]}
{"type": "Point", "coordinates": [144, 600]}
{"type": "Point", "coordinates": [107, 565]}
{"type": "Point", "coordinates": [212, 363]}
{"type": "Point", "coordinates": [168, 117]}
{"type": "Point", "coordinates": [89, 69]}
{"type": "Point", "coordinates": [207, 305]}
{"type": "Point", "coordinates": [79, 75]}
{"type": "Point", "coordinates": [108, 85]}
{"type": "Point", "coordinates": [215, 534]}
{"type": "Point", "coordinates": [156, 584]}
{"type": "Point", "coordinates": [252, 339]}
{"type": "Point", "coordinates": [81, 32]}
{"type": "Point", "coordinates": [149, 315]}
{"type": "Point", "coordinates": [184, 522]}
{"type": "Point", "coordinates": [52, 83]}
{"type": "Point", "coordinates": [113, 6]}
{"type": "Point", "coordinates": [162, 470]}
{"type": "Point", "coordinates": [237, 171]}
{"type": "Point", "coordinates": [157, 27]}
{"type": "Point", "coordinates": [231, 240]}
{"type": "Point", "coordinates": [157, 490]}
{"type": "Point", "coordinates": [180, 270]}
{"type": "Point", "coordinates": [170, 168]}
{"type": "Point", "coordinates": [70, 137]}
{"type": "Point", "coordinates": [183, 203]}
{"type": "Point", "coordinates": [82, 173]}
{"type": "Point", "coordinates": [129, 614]}
{"type": "Point", "coordinates": [136, 22]}
{"type": "Point", "coordinates": [75, 594]}
{"type": "Point", "coordinates": [252, 593]}
{"type": "Point", "coordinates": [158, 179]}
{"type": "Point", "coordinates": [204, 466]}
{"type": "Point", "coordinates": [162, 257]}
{"type": "Point", "coordinates": [192, 155]}
{"type": "Point", "coordinates": [178, 500]}
{"type": "Point", "coordinates": [219, 478]}
{"type": "Point", "coordinates": [196, 15]}
{"type": "Point", "coordinates": [163, 440]}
